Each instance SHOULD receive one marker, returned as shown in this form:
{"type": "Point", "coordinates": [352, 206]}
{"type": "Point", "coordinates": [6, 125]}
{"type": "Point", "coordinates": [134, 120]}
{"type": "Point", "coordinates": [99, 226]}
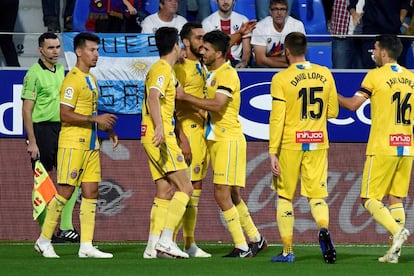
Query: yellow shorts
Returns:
{"type": "Point", "coordinates": [311, 166]}
{"type": "Point", "coordinates": [228, 160]}
{"type": "Point", "coordinates": [386, 175]}
{"type": "Point", "coordinates": [200, 158]}
{"type": "Point", "coordinates": [75, 166]}
{"type": "Point", "coordinates": [164, 159]}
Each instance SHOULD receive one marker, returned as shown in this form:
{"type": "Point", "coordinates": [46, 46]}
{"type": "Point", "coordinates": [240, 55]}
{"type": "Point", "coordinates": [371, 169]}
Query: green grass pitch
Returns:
{"type": "Point", "coordinates": [21, 259]}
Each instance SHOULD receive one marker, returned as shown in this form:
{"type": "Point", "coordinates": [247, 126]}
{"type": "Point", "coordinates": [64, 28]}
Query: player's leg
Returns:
{"type": "Point", "coordinates": [43, 243]}
{"type": "Point", "coordinates": [176, 209]}
{"type": "Point", "coordinates": [90, 177]}
{"type": "Point", "coordinates": [158, 216]}
{"type": "Point", "coordinates": [285, 186]}
{"type": "Point", "coordinates": [314, 176]}
{"type": "Point", "coordinates": [67, 231]}
{"type": "Point", "coordinates": [398, 191]}
{"type": "Point", "coordinates": [197, 171]}
{"type": "Point", "coordinates": [257, 241]}
{"type": "Point", "coordinates": [227, 173]}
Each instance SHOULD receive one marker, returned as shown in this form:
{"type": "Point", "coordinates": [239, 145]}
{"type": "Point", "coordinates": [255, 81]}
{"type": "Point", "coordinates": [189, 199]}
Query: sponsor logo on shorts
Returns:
{"type": "Point", "coordinates": [143, 130]}
{"type": "Point", "coordinates": [74, 174]}
{"type": "Point", "coordinates": [309, 137]}
{"type": "Point", "coordinates": [400, 140]}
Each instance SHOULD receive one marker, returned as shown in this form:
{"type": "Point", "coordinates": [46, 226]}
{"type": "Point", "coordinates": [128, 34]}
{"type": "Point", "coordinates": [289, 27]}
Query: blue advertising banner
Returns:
{"type": "Point", "coordinates": [254, 112]}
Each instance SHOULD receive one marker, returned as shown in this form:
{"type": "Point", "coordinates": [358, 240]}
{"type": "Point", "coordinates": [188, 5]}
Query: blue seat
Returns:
{"type": "Point", "coordinates": [151, 6]}
{"type": "Point", "coordinates": [312, 14]}
{"type": "Point", "coordinates": [80, 15]}
{"type": "Point", "coordinates": [244, 7]}
{"type": "Point", "coordinates": [320, 54]}
{"type": "Point", "coordinates": [409, 58]}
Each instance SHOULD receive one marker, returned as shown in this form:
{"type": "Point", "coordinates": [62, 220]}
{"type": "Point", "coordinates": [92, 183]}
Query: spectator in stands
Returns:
{"type": "Point", "coordinates": [269, 36]}
{"type": "Point", "coordinates": [229, 22]}
{"type": "Point", "coordinates": [381, 17]}
{"type": "Point", "coordinates": [262, 8]}
{"type": "Point", "coordinates": [166, 17]}
{"type": "Point", "coordinates": [108, 16]}
{"type": "Point", "coordinates": [8, 16]}
{"type": "Point", "coordinates": [51, 11]}
{"type": "Point", "coordinates": [194, 9]}
{"type": "Point", "coordinates": [345, 54]}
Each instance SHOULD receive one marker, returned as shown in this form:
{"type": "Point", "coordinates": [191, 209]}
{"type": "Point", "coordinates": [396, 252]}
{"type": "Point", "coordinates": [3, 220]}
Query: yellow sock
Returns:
{"type": "Point", "coordinates": [285, 220]}
{"type": "Point", "coordinates": [320, 212]}
{"type": "Point", "coordinates": [53, 213]}
{"type": "Point", "coordinates": [158, 215]}
{"type": "Point", "coordinates": [177, 229]}
{"type": "Point", "coordinates": [190, 218]}
{"type": "Point", "coordinates": [231, 216]}
{"type": "Point", "coordinates": [398, 213]}
{"type": "Point", "coordinates": [87, 219]}
{"type": "Point", "coordinates": [247, 223]}
{"type": "Point", "coordinates": [176, 210]}
{"type": "Point", "coordinates": [382, 215]}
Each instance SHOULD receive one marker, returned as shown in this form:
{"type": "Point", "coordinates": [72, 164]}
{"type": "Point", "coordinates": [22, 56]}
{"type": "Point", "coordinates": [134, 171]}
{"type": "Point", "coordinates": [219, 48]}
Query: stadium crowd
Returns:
{"type": "Point", "coordinates": [346, 26]}
{"type": "Point", "coordinates": [193, 93]}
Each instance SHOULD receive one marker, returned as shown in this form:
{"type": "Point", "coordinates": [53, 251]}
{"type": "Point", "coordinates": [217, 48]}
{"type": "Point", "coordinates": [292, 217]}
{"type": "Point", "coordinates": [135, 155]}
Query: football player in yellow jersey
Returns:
{"type": "Point", "coordinates": [304, 97]}
{"type": "Point", "coordinates": [78, 153]}
{"type": "Point", "coordinates": [387, 170]}
{"type": "Point", "coordinates": [191, 75]}
{"type": "Point", "coordinates": [166, 161]}
{"type": "Point", "coordinates": [226, 143]}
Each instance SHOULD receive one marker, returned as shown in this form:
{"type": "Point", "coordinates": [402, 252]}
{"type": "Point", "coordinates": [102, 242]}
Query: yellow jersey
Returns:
{"type": "Point", "coordinates": [161, 76]}
{"type": "Point", "coordinates": [191, 75]}
{"type": "Point", "coordinates": [304, 96]}
{"type": "Point", "coordinates": [224, 125]}
{"type": "Point", "coordinates": [80, 92]}
{"type": "Point", "coordinates": [390, 89]}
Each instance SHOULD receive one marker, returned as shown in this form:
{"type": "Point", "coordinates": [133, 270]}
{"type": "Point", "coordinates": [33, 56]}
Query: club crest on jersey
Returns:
{"type": "Point", "coordinates": [160, 81]}
{"type": "Point", "coordinates": [400, 140]}
{"type": "Point", "coordinates": [197, 169]}
{"type": "Point", "coordinates": [69, 93]}
{"type": "Point", "coordinates": [307, 137]}
{"type": "Point", "coordinates": [180, 158]}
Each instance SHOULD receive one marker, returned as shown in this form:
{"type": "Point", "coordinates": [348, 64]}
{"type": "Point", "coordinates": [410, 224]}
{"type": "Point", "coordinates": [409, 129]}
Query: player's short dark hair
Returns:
{"type": "Point", "coordinates": [45, 36]}
{"type": "Point", "coordinates": [390, 43]}
{"type": "Point", "coordinates": [165, 39]}
{"type": "Point", "coordinates": [81, 38]}
{"type": "Point", "coordinates": [188, 28]}
{"type": "Point", "coordinates": [219, 40]}
{"type": "Point", "coordinates": [296, 43]}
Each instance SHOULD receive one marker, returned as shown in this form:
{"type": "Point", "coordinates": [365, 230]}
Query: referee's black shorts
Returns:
{"type": "Point", "coordinates": [47, 136]}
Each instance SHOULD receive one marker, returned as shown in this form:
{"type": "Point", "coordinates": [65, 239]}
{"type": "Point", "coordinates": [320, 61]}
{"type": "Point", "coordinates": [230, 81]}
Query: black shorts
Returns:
{"type": "Point", "coordinates": [47, 136]}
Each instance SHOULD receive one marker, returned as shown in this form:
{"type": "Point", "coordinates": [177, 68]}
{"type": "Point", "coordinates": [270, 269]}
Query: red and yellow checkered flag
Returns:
{"type": "Point", "coordinates": [43, 189]}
